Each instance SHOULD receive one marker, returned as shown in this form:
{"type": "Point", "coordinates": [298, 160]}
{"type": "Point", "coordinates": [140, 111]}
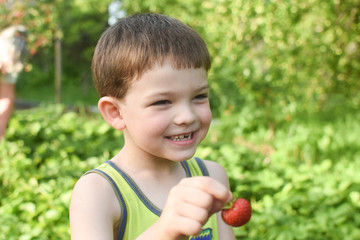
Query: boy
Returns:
{"type": "Point", "coordinates": [150, 71]}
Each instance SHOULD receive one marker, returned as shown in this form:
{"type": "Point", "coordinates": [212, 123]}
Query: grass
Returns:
{"type": "Point", "coordinates": [71, 93]}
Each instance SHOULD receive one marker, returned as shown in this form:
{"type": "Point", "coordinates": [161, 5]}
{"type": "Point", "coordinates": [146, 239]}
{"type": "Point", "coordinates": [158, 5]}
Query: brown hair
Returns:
{"type": "Point", "coordinates": [136, 43]}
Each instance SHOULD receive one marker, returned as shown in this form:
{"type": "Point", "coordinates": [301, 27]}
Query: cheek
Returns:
{"type": "Point", "coordinates": [206, 116]}
{"type": "Point", "coordinates": [155, 125]}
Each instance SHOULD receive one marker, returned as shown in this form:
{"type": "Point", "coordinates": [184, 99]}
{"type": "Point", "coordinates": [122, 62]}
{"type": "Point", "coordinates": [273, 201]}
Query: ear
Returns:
{"type": "Point", "coordinates": [110, 110]}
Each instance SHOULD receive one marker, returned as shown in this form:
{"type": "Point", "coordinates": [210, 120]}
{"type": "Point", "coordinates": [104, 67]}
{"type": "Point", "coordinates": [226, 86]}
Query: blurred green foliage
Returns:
{"type": "Point", "coordinates": [78, 24]}
{"type": "Point", "coordinates": [283, 57]}
{"type": "Point", "coordinates": [284, 91]}
{"type": "Point", "coordinates": [47, 150]}
{"type": "Point", "coordinates": [302, 184]}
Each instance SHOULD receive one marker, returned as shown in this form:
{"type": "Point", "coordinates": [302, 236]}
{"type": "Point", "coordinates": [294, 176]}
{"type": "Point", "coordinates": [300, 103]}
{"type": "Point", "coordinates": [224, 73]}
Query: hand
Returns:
{"type": "Point", "coordinates": [189, 206]}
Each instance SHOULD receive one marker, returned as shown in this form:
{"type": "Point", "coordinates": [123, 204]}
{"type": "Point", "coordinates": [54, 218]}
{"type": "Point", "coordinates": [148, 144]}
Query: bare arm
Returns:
{"type": "Point", "coordinates": [94, 209]}
{"type": "Point", "coordinates": [7, 98]}
{"type": "Point", "coordinates": [218, 172]}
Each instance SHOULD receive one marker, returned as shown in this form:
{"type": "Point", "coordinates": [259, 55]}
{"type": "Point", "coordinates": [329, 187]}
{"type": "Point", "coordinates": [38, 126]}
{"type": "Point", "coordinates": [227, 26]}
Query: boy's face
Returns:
{"type": "Point", "coordinates": [167, 113]}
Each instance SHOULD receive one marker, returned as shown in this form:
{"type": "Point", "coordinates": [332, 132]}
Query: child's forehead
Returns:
{"type": "Point", "coordinates": [167, 74]}
{"type": "Point", "coordinates": [167, 69]}
{"type": "Point", "coordinates": [169, 63]}
{"type": "Point", "coordinates": [165, 79]}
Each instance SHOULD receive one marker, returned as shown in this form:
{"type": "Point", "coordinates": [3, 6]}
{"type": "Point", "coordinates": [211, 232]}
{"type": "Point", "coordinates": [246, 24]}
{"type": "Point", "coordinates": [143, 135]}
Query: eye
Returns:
{"type": "Point", "coordinates": [161, 102]}
{"type": "Point", "coordinates": [201, 96]}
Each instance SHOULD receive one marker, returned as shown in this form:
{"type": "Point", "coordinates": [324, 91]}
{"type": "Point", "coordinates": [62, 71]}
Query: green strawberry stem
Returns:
{"type": "Point", "coordinates": [229, 204]}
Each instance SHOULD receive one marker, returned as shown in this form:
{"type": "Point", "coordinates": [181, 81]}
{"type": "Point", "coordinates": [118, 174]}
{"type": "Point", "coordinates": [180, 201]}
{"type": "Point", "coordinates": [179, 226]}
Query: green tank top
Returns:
{"type": "Point", "coordinates": [137, 212]}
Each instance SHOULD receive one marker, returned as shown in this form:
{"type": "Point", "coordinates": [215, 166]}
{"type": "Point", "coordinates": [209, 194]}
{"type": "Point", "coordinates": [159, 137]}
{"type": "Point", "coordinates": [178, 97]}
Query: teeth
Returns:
{"type": "Point", "coordinates": [181, 137]}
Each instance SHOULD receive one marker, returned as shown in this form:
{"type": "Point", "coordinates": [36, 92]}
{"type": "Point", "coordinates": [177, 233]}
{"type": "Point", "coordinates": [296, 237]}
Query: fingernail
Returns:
{"type": "Point", "coordinates": [230, 196]}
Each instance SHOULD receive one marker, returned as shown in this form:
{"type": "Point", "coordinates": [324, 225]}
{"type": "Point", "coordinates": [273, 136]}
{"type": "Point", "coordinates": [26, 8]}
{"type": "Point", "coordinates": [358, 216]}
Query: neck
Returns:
{"type": "Point", "coordinates": [145, 165]}
{"type": "Point", "coordinates": [151, 174]}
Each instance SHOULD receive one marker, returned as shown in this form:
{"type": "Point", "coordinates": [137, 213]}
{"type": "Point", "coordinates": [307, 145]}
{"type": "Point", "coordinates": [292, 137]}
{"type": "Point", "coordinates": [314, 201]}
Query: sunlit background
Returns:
{"type": "Point", "coordinates": [285, 95]}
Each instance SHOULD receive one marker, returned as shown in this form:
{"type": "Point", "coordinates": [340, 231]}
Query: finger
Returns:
{"type": "Point", "coordinates": [189, 227]}
{"type": "Point", "coordinates": [197, 197]}
{"type": "Point", "coordinates": [217, 206]}
{"type": "Point", "coordinates": [211, 186]}
{"type": "Point", "coordinates": [195, 213]}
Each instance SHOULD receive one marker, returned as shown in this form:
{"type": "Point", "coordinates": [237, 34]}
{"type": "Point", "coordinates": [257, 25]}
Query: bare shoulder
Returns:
{"type": "Point", "coordinates": [217, 172]}
{"type": "Point", "coordinates": [90, 185]}
{"type": "Point", "coordinates": [94, 209]}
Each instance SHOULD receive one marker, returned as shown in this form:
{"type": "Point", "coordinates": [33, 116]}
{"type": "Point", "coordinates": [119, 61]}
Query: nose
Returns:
{"type": "Point", "coordinates": [185, 114]}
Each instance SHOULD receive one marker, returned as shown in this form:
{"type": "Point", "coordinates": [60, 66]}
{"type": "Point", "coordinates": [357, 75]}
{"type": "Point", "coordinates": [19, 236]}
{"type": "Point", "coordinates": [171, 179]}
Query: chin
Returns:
{"type": "Point", "coordinates": [182, 157]}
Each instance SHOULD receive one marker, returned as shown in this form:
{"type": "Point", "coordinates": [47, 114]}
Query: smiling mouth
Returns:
{"type": "Point", "coordinates": [184, 137]}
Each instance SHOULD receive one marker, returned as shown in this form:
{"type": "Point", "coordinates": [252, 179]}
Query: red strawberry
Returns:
{"type": "Point", "coordinates": [238, 214]}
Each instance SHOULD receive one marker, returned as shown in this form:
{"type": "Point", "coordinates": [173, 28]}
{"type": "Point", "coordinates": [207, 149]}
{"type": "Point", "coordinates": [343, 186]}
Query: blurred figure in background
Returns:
{"type": "Point", "coordinates": [12, 51]}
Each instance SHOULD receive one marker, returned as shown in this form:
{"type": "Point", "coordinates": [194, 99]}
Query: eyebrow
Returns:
{"type": "Point", "coordinates": [205, 87]}
{"type": "Point", "coordinates": [172, 92]}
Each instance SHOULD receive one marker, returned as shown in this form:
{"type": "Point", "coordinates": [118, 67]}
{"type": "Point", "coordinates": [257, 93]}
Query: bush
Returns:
{"type": "Point", "coordinates": [302, 182]}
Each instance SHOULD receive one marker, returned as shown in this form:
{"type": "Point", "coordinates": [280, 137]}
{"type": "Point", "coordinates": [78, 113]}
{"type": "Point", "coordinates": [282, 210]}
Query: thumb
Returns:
{"type": "Point", "coordinates": [218, 205]}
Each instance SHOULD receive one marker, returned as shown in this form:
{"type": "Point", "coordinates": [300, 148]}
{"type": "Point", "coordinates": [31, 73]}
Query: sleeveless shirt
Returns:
{"type": "Point", "coordinates": [138, 213]}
